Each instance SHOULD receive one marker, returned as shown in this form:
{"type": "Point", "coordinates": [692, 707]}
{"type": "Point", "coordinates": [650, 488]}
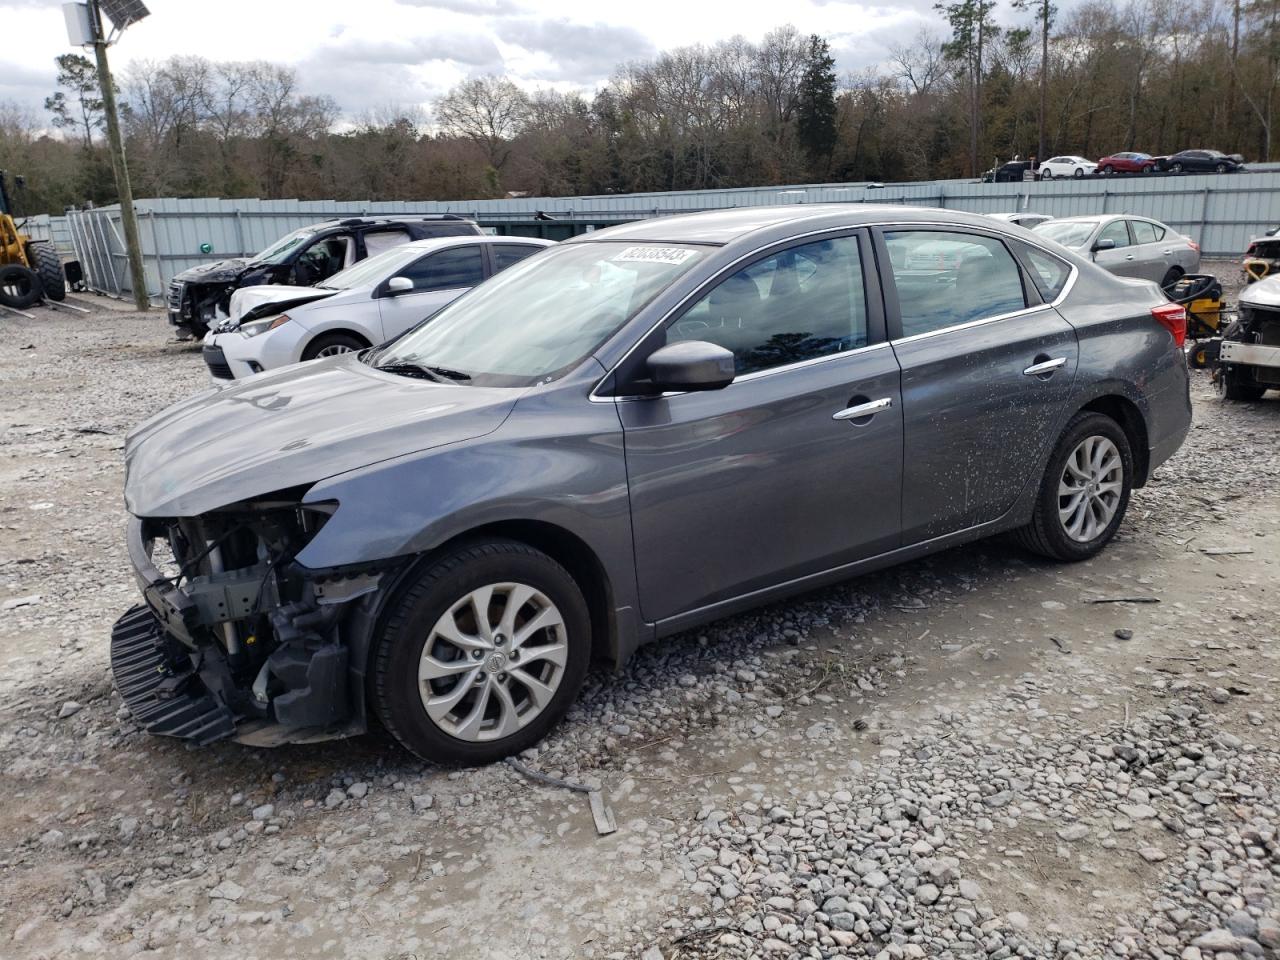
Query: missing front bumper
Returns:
{"type": "Point", "coordinates": [224, 655]}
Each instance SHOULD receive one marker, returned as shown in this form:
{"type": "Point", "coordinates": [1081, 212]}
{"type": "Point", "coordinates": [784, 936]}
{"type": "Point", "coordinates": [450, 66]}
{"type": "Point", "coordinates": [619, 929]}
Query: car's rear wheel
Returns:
{"type": "Point", "coordinates": [1175, 168]}
{"type": "Point", "coordinates": [1232, 384]}
{"type": "Point", "coordinates": [332, 344]}
{"type": "Point", "coordinates": [1085, 490]}
{"type": "Point", "coordinates": [1172, 276]}
{"type": "Point", "coordinates": [481, 654]}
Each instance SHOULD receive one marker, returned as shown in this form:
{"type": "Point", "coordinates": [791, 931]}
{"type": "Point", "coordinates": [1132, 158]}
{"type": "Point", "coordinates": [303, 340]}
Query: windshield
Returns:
{"type": "Point", "coordinates": [1069, 233]}
{"type": "Point", "coordinates": [543, 316]}
{"type": "Point", "coordinates": [375, 269]}
{"type": "Point", "coordinates": [278, 251]}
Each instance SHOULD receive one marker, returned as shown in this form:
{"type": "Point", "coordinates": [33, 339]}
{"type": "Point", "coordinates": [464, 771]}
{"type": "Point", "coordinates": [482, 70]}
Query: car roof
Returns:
{"type": "Point", "coordinates": [719, 227]}
{"type": "Point", "coordinates": [377, 221]}
{"type": "Point", "coordinates": [433, 243]}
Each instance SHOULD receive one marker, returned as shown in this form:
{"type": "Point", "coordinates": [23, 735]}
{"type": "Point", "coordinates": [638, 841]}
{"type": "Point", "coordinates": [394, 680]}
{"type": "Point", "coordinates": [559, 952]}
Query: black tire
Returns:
{"type": "Point", "coordinates": [1079, 174]}
{"type": "Point", "coordinates": [1203, 353]}
{"type": "Point", "coordinates": [1108, 170]}
{"type": "Point", "coordinates": [1175, 168]}
{"type": "Point", "coordinates": [330, 344]}
{"type": "Point", "coordinates": [19, 287]}
{"type": "Point", "coordinates": [1045, 534]}
{"type": "Point", "coordinates": [1220, 168]}
{"type": "Point", "coordinates": [1171, 276]}
{"type": "Point", "coordinates": [47, 264]}
{"type": "Point", "coordinates": [1234, 386]}
{"type": "Point", "coordinates": [395, 690]}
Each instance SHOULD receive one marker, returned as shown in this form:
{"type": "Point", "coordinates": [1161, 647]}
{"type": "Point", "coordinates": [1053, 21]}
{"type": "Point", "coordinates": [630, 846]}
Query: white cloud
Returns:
{"type": "Point", "coordinates": [407, 52]}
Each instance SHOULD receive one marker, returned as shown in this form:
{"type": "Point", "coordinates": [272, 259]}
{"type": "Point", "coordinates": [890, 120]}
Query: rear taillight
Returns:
{"type": "Point", "coordinates": [1252, 248]}
{"type": "Point", "coordinates": [1193, 245]}
{"type": "Point", "coordinates": [1173, 317]}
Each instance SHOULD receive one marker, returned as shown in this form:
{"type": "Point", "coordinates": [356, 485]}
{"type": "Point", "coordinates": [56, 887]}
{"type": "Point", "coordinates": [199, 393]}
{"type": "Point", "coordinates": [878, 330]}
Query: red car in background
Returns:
{"type": "Point", "coordinates": [1126, 163]}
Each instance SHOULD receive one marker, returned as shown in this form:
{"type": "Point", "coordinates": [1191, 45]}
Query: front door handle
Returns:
{"type": "Point", "coordinates": [1045, 366]}
{"type": "Point", "coordinates": [863, 409]}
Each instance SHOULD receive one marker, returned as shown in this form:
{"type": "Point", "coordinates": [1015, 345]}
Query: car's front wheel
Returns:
{"type": "Point", "coordinates": [481, 654]}
{"type": "Point", "coordinates": [1085, 490]}
{"type": "Point", "coordinates": [1078, 173]}
{"type": "Point", "coordinates": [331, 345]}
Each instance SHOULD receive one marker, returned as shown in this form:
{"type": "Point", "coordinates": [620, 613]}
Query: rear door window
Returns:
{"type": "Point", "coordinates": [1048, 273]}
{"type": "Point", "coordinates": [944, 279]}
{"type": "Point", "coordinates": [378, 241]}
{"type": "Point", "coordinates": [1143, 231]}
{"type": "Point", "coordinates": [505, 254]}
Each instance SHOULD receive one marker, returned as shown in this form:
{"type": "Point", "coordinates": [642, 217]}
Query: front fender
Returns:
{"type": "Point", "coordinates": [557, 460]}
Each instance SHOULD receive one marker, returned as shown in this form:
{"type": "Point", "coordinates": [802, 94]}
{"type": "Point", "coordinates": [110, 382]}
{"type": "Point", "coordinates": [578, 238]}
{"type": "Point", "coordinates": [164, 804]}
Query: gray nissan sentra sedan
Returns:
{"type": "Point", "coordinates": [629, 434]}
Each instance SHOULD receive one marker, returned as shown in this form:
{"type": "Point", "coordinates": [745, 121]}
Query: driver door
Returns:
{"type": "Point", "coordinates": [323, 259]}
{"type": "Point", "coordinates": [1121, 259]}
{"type": "Point", "coordinates": [437, 279]}
{"type": "Point", "coordinates": [740, 489]}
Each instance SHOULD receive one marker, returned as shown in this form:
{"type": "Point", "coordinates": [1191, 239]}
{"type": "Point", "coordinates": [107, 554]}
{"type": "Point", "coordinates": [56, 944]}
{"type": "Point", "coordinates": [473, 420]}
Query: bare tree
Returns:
{"type": "Point", "coordinates": [922, 63]}
{"type": "Point", "coordinates": [490, 111]}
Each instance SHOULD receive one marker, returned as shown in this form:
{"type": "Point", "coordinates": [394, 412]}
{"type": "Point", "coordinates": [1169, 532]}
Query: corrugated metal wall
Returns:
{"type": "Point", "coordinates": [1221, 212]}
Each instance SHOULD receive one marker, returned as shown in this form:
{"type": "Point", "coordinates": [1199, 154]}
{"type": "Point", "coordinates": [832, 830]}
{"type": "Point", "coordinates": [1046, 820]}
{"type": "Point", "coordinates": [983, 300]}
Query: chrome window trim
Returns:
{"type": "Point", "coordinates": [847, 228]}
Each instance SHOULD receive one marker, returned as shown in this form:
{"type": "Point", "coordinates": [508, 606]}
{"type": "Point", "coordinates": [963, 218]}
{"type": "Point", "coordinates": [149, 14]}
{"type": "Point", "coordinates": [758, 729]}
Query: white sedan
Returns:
{"type": "Point", "coordinates": [371, 302]}
{"type": "Point", "coordinates": [1057, 168]}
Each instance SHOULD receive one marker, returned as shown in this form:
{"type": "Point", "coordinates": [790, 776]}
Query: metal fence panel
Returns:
{"type": "Point", "coordinates": [1222, 213]}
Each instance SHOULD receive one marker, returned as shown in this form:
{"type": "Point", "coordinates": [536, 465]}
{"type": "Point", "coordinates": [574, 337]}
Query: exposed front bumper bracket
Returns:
{"type": "Point", "coordinates": [167, 699]}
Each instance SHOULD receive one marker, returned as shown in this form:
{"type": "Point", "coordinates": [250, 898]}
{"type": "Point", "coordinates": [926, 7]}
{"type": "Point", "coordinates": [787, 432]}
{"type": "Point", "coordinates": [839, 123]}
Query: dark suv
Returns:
{"type": "Point", "coordinates": [200, 296]}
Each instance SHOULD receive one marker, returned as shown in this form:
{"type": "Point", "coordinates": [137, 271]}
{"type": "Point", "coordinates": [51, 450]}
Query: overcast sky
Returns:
{"type": "Point", "coordinates": [398, 53]}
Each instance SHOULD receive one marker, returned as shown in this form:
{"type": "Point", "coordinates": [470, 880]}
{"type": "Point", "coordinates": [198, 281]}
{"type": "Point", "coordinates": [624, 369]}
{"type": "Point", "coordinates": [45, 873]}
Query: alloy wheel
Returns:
{"type": "Point", "coordinates": [493, 662]}
{"type": "Point", "coordinates": [333, 350]}
{"type": "Point", "coordinates": [1090, 488]}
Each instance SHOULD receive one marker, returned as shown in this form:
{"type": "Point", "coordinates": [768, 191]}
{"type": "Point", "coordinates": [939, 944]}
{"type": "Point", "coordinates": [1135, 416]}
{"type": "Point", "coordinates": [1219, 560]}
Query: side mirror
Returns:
{"type": "Point", "coordinates": [691, 365]}
{"type": "Point", "coordinates": [1105, 245]}
{"type": "Point", "coordinates": [399, 285]}
{"type": "Point", "coordinates": [1272, 232]}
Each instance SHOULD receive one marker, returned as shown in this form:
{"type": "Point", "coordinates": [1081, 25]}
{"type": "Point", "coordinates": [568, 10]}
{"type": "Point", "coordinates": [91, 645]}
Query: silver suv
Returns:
{"type": "Point", "coordinates": [621, 437]}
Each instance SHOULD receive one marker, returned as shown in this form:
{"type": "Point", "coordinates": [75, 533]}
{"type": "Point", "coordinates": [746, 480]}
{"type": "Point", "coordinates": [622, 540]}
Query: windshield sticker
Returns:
{"type": "Point", "coordinates": [672, 255]}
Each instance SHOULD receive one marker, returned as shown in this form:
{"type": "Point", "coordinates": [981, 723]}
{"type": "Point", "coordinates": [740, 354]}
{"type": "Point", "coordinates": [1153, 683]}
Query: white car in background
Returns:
{"type": "Point", "coordinates": [1057, 168]}
{"type": "Point", "coordinates": [369, 303]}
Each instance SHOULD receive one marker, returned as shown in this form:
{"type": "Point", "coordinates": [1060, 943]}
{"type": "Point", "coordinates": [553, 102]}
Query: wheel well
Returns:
{"type": "Point", "coordinates": [343, 331]}
{"type": "Point", "coordinates": [576, 557]}
{"type": "Point", "coordinates": [1126, 413]}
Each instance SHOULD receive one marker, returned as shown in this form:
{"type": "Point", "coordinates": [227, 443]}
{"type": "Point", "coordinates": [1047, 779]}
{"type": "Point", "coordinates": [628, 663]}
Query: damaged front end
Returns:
{"type": "Point", "coordinates": [235, 639]}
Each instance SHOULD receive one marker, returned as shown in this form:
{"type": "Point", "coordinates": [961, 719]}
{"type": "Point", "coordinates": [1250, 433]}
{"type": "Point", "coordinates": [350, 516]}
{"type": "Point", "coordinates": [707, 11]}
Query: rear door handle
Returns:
{"type": "Point", "coordinates": [1045, 366]}
{"type": "Point", "coordinates": [1129, 257]}
{"type": "Point", "coordinates": [864, 409]}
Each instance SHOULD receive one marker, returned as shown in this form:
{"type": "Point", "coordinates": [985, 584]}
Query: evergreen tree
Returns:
{"type": "Point", "coordinates": [816, 109]}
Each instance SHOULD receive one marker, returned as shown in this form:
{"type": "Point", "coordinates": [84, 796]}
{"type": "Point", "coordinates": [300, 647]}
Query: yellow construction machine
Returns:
{"type": "Point", "coordinates": [29, 269]}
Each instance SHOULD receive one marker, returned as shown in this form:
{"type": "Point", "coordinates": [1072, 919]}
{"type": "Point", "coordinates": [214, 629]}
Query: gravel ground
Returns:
{"type": "Point", "coordinates": [965, 756]}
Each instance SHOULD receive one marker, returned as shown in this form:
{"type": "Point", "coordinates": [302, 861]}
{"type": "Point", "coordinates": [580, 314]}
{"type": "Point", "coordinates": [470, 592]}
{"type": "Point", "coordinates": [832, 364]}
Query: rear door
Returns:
{"type": "Point", "coordinates": [1152, 256]}
{"type": "Point", "coordinates": [987, 367]}
{"type": "Point", "coordinates": [438, 278]}
{"type": "Point", "coordinates": [795, 467]}
{"type": "Point", "coordinates": [503, 255]}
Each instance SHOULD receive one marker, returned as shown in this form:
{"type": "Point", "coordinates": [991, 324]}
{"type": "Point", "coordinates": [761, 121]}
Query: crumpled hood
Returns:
{"type": "Point", "coordinates": [216, 272]}
{"type": "Point", "coordinates": [295, 426]}
{"type": "Point", "coordinates": [1264, 293]}
{"type": "Point", "coordinates": [261, 300]}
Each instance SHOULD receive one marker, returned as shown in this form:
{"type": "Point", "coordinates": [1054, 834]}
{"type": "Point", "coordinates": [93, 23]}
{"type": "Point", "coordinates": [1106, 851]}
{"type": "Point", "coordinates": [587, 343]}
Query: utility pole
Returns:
{"type": "Point", "coordinates": [115, 142]}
